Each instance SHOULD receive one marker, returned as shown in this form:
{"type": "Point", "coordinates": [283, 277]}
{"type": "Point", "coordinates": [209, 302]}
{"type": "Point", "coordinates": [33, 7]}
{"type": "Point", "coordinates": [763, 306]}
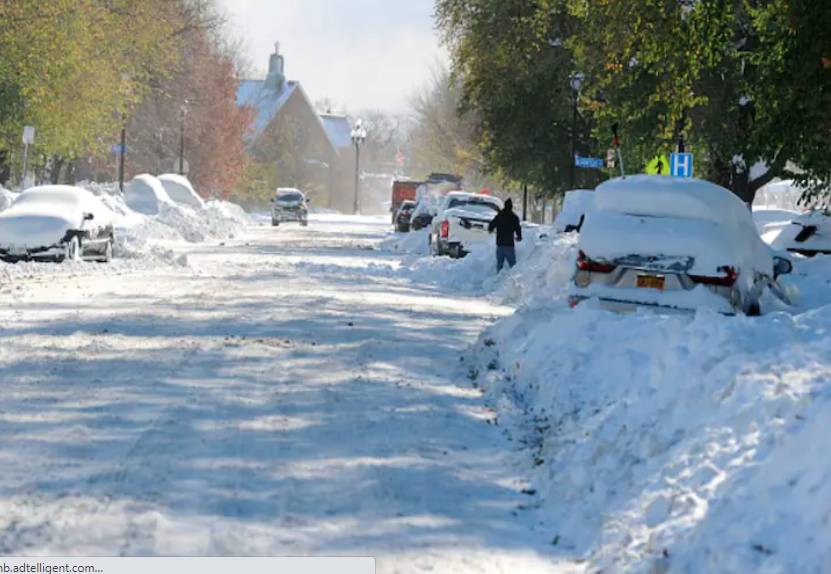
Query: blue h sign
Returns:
{"type": "Point", "coordinates": [682, 165]}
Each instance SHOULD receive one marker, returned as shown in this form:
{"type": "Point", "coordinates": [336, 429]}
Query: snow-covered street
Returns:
{"type": "Point", "coordinates": [279, 395]}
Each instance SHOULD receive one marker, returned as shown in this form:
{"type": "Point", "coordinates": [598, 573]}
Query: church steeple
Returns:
{"type": "Point", "coordinates": [276, 78]}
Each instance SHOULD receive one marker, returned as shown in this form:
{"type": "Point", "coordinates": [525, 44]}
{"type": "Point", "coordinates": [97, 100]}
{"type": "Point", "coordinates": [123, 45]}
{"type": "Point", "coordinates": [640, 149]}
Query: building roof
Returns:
{"type": "Point", "coordinates": [338, 129]}
{"type": "Point", "coordinates": [267, 102]}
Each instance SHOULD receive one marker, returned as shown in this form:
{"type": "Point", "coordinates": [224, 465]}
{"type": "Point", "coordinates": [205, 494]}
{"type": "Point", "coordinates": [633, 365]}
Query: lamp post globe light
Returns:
{"type": "Point", "coordinates": [358, 140]}
{"type": "Point", "coordinates": [576, 81]}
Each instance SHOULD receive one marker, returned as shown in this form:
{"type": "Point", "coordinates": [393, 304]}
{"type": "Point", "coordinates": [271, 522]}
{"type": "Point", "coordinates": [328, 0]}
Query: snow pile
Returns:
{"type": "Point", "coordinates": [687, 443]}
{"type": "Point", "coordinates": [101, 189]}
{"type": "Point", "coordinates": [180, 190]}
{"type": "Point", "coordinates": [414, 243]}
{"type": "Point", "coordinates": [6, 198]}
{"type": "Point", "coordinates": [545, 263]}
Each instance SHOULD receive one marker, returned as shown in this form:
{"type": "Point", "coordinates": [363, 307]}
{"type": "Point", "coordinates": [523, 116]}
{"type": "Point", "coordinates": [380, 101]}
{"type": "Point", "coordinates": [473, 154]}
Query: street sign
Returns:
{"type": "Point", "coordinates": [658, 165]}
{"type": "Point", "coordinates": [588, 161]}
{"type": "Point", "coordinates": [28, 135]}
{"type": "Point", "coordinates": [682, 165]}
{"type": "Point", "coordinates": [610, 158]}
{"type": "Point", "coordinates": [117, 148]}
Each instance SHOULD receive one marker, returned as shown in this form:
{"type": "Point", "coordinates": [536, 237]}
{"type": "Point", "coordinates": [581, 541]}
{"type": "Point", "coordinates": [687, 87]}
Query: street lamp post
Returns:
{"type": "Point", "coordinates": [125, 83]}
{"type": "Point", "coordinates": [576, 81]}
{"type": "Point", "coordinates": [182, 139]}
{"type": "Point", "coordinates": [358, 140]}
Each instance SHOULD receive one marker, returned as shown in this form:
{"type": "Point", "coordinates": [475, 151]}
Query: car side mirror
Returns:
{"type": "Point", "coordinates": [88, 217]}
{"type": "Point", "coordinates": [308, 200]}
{"type": "Point", "coordinates": [782, 266]}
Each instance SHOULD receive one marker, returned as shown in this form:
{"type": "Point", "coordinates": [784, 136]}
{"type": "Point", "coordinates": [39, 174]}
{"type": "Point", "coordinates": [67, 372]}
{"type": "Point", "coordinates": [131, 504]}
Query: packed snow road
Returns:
{"type": "Point", "coordinates": [265, 400]}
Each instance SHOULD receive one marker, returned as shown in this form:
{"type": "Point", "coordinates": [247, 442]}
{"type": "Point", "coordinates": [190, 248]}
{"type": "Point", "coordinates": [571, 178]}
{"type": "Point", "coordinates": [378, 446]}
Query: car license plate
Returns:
{"type": "Point", "coordinates": [651, 282]}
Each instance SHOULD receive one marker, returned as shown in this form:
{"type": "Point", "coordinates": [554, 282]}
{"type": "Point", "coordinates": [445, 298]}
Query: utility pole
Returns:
{"type": "Point", "coordinates": [524, 202]}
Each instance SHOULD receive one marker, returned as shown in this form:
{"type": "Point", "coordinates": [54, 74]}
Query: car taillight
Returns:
{"type": "Point", "coordinates": [726, 281]}
{"type": "Point", "coordinates": [586, 264]}
{"type": "Point", "coordinates": [445, 228]}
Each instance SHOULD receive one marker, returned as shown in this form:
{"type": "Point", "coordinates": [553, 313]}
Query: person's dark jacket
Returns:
{"type": "Point", "coordinates": [506, 223]}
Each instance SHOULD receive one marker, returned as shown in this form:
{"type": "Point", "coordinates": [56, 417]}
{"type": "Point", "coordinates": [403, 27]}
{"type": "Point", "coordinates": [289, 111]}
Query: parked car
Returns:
{"type": "Point", "coordinates": [402, 215]}
{"type": "Point", "coordinates": [461, 221]}
{"type": "Point", "coordinates": [403, 190]}
{"type": "Point", "coordinates": [289, 204]}
{"type": "Point", "coordinates": [655, 241]}
{"type": "Point", "coordinates": [808, 234]}
{"type": "Point", "coordinates": [576, 204]}
{"type": "Point", "coordinates": [56, 223]}
{"type": "Point", "coordinates": [423, 214]}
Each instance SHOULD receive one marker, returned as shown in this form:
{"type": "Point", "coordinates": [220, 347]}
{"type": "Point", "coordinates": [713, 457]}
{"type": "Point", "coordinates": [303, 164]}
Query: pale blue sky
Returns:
{"type": "Point", "coordinates": [362, 53]}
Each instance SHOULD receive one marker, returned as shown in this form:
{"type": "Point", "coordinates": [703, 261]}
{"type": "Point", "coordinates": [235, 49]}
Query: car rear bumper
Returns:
{"type": "Point", "coordinates": [623, 306]}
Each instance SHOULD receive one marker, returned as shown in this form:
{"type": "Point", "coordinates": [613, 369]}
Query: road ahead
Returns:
{"type": "Point", "coordinates": [272, 398]}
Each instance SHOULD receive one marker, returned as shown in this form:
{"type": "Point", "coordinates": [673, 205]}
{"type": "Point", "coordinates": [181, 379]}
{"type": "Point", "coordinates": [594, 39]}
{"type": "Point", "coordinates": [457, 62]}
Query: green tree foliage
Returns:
{"type": "Point", "coordinates": [514, 65]}
{"type": "Point", "coordinates": [71, 67]}
{"type": "Point", "coordinates": [747, 82]}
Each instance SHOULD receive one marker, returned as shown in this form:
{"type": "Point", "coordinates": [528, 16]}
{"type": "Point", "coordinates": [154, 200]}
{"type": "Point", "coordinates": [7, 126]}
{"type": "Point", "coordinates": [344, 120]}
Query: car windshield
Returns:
{"type": "Point", "coordinates": [472, 204]}
{"type": "Point", "coordinates": [290, 196]}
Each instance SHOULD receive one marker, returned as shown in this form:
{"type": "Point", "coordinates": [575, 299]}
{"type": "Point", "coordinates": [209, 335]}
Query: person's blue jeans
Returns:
{"type": "Point", "coordinates": [505, 254]}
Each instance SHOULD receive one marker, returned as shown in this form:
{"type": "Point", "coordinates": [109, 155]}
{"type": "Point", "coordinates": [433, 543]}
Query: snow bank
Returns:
{"type": "Point", "coordinates": [180, 190]}
{"type": "Point", "coordinates": [545, 263]}
{"type": "Point", "coordinates": [685, 444]}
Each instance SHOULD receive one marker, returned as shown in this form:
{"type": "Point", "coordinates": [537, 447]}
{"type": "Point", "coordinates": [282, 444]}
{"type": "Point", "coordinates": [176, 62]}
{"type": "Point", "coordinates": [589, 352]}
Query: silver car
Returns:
{"type": "Point", "coordinates": [656, 241]}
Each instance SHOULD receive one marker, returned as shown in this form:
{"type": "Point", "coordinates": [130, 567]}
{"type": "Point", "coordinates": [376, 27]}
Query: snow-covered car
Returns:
{"type": "Point", "coordinates": [461, 221]}
{"type": "Point", "coordinates": [403, 214]}
{"type": "Point", "coordinates": [289, 204]}
{"type": "Point", "coordinates": [808, 234]}
{"type": "Point", "coordinates": [423, 213]}
{"type": "Point", "coordinates": [58, 223]}
{"type": "Point", "coordinates": [147, 195]}
{"type": "Point", "coordinates": [180, 190]}
{"type": "Point", "coordinates": [655, 241]}
{"type": "Point", "coordinates": [576, 204]}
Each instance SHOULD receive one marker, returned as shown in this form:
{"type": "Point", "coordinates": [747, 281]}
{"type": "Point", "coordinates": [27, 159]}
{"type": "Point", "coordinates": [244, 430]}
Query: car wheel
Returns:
{"type": "Point", "coordinates": [431, 249]}
{"type": "Point", "coordinates": [755, 309]}
{"type": "Point", "coordinates": [72, 250]}
{"type": "Point", "coordinates": [108, 252]}
{"type": "Point", "coordinates": [304, 223]}
{"type": "Point", "coordinates": [275, 223]}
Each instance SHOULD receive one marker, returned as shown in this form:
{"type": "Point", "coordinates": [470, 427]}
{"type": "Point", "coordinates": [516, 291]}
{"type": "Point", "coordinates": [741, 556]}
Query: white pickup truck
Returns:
{"type": "Point", "coordinates": [461, 221]}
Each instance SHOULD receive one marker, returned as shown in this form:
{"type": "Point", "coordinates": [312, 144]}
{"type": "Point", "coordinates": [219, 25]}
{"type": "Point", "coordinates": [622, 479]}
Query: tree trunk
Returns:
{"type": "Point", "coordinates": [5, 167]}
{"type": "Point", "coordinates": [71, 170]}
{"type": "Point", "coordinates": [57, 166]}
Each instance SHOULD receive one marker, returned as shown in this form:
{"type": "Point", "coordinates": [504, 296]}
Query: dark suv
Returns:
{"type": "Point", "coordinates": [289, 205]}
{"type": "Point", "coordinates": [402, 216]}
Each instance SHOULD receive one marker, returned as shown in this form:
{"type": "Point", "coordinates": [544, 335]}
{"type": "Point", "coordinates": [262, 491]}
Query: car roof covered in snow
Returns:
{"type": "Point", "coordinates": [58, 201]}
{"type": "Point", "coordinates": [180, 190]}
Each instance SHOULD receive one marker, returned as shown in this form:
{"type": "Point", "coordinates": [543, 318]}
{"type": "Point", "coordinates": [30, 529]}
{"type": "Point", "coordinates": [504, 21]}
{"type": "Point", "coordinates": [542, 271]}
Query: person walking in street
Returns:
{"type": "Point", "coordinates": [507, 226]}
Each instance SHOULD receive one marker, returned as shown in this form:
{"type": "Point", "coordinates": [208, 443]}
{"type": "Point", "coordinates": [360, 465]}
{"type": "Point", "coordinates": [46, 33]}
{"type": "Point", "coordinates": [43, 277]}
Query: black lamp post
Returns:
{"type": "Point", "coordinates": [182, 139]}
{"type": "Point", "coordinates": [358, 140]}
{"type": "Point", "coordinates": [576, 81]}
{"type": "Point", "coordinates": [125, 83]}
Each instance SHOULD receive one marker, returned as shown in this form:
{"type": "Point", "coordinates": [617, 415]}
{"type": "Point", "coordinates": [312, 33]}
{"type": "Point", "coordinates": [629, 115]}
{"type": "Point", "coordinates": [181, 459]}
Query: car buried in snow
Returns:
{"type": "Point", "coordinates": [461, 221]}
{"type": "Point", "coordinates": [808, 234]}
{"type": "Point", "coordinates": [56, 223]}
{"type": "Point", "coordinates": [673, 243]}
{"type": "Point", "coordinates": [576, 204]}
{"type": "Point", "coordinates": [289, 204]}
